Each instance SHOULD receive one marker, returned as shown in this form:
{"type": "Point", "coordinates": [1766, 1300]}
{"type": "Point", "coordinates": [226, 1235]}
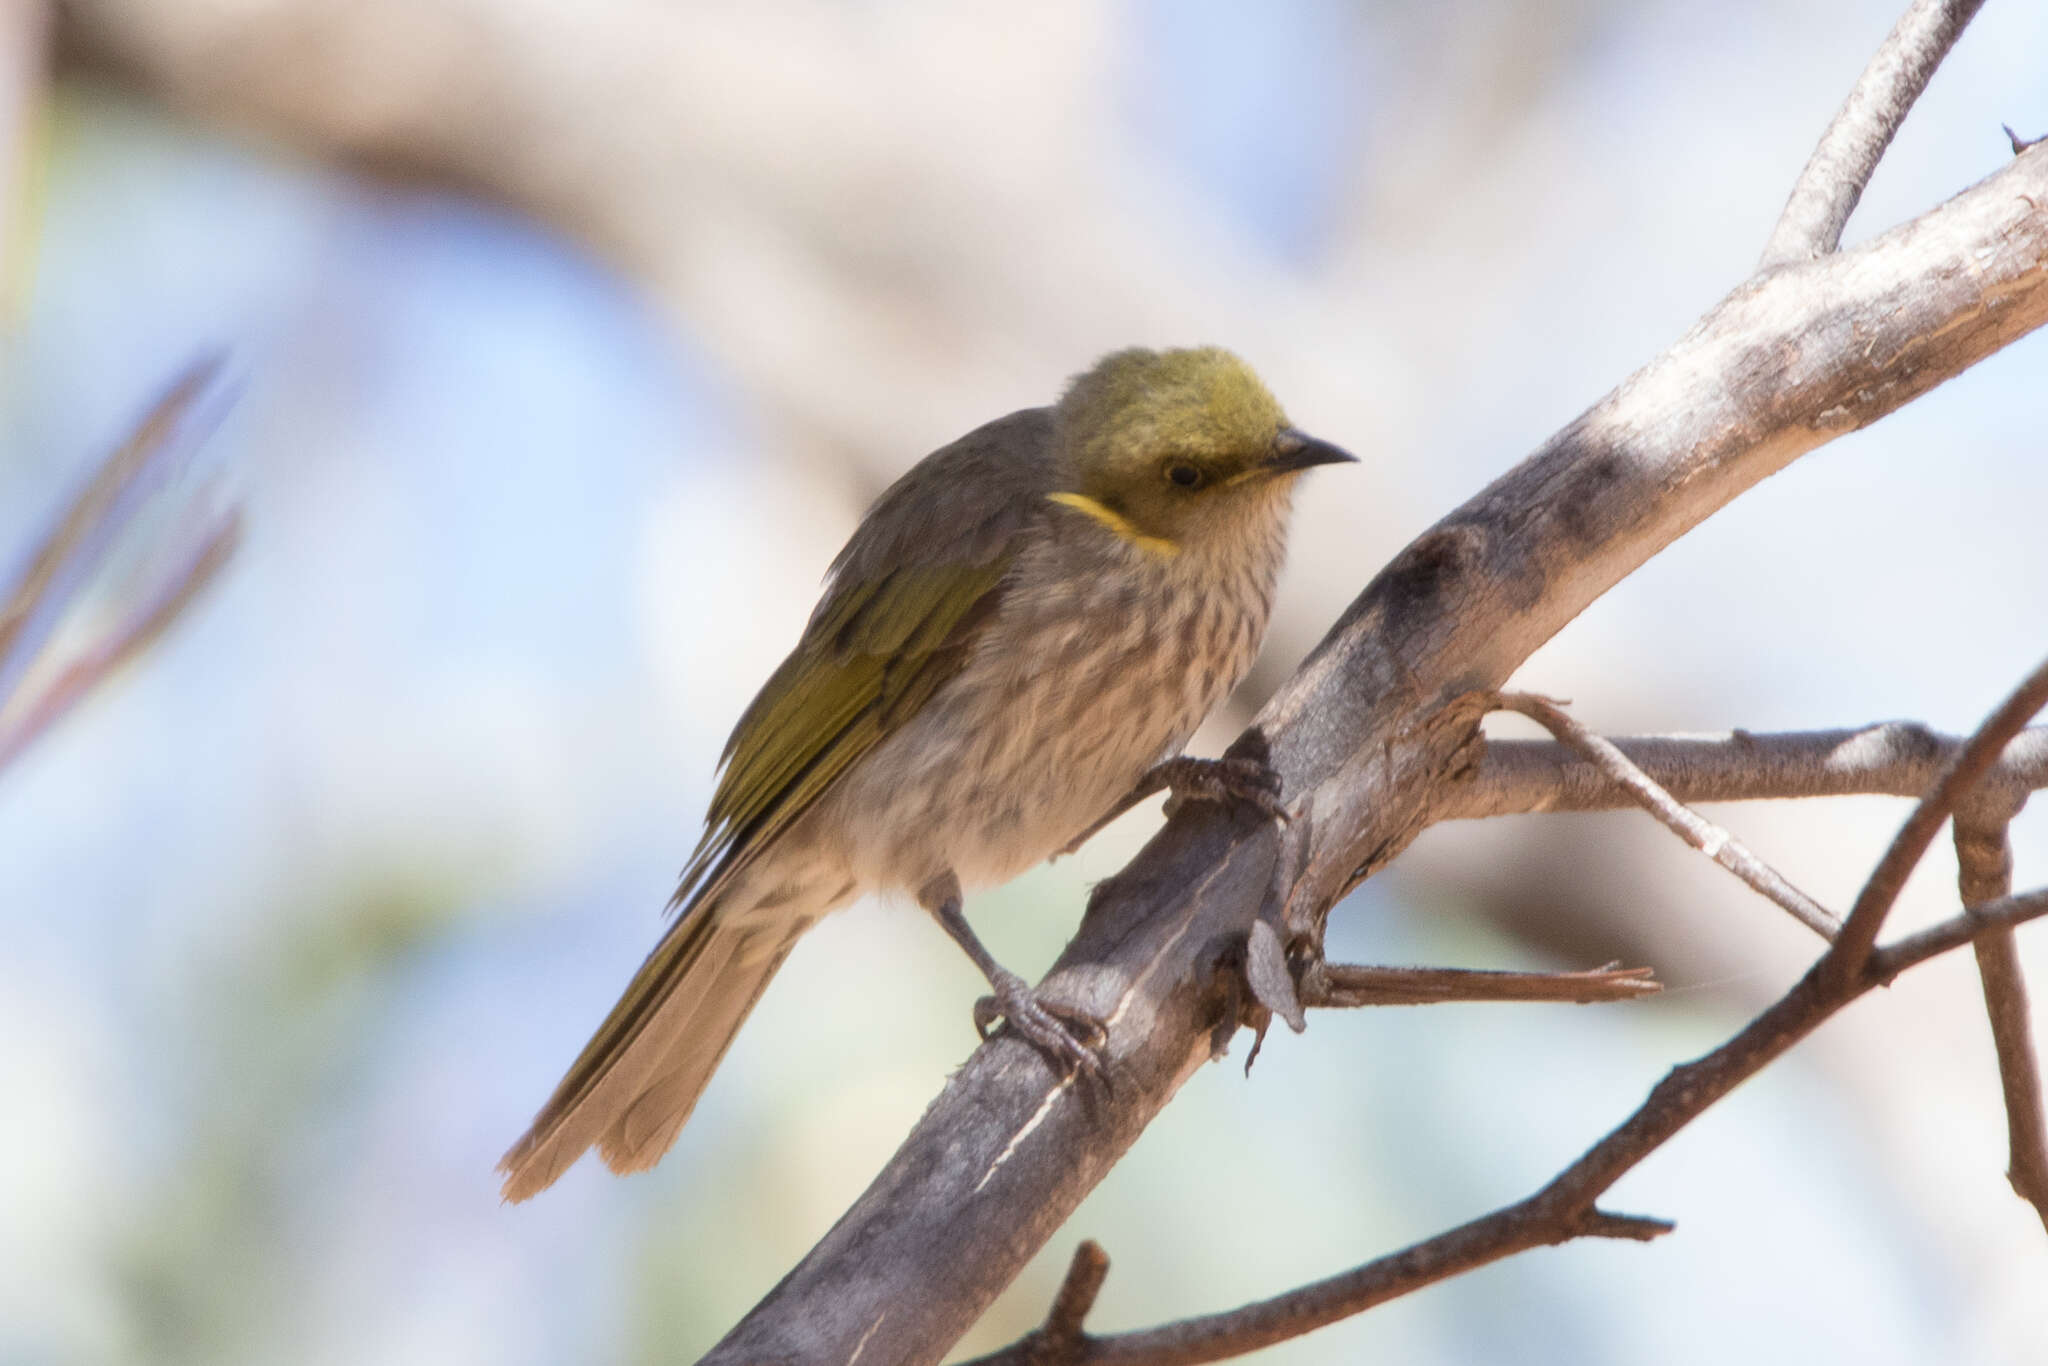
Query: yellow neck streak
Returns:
{"type": "Point", "coordinates": [1152, 545]}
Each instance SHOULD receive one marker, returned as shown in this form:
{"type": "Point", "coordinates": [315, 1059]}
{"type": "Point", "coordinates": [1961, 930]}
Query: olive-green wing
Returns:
{"type": "Point", "coordinates": [903, 606]}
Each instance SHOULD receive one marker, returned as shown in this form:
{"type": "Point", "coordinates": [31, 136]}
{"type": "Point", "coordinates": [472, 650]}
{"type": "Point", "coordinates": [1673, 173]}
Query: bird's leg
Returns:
{"type": "Point", "coordinates": [1066, 1035]}
{"type": "Point", "coordinates": [1233, 779]}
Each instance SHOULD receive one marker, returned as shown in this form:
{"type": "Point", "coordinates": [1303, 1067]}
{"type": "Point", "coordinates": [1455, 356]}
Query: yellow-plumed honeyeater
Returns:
{"type": "Point", "coordinates": [1021, 630]}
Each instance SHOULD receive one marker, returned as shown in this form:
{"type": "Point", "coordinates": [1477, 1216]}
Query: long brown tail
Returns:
{"type": "Point", "coordinates": [639, 1077]}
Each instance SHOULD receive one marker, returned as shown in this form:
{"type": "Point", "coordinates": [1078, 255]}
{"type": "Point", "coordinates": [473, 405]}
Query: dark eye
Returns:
{"type": "Point", "coordinates": [1184, 474]}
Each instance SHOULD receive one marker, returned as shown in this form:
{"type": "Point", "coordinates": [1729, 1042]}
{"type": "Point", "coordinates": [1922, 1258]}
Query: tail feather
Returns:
{"type": "Point", "coordinates": [638, 1078]}
{"type": "Point", "coordinates": [647, 1128]}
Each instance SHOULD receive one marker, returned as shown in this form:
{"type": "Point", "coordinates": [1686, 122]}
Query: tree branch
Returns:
{"type": "Point", "coordinates": [1214, 1337]}
{"type": "Point", "coordinates": [1560, 1211]}
{"type": "Point", "coordinates": [1347, 985]}
{"type": "Point", "coordinates": [1827, 190]}
{"type": "Point", "coordinates": [1984, 864]}
{"type": "Point", "coordinates": [78, 543]}
{"type": "Point", "coordinates": [1061, 1339]}
{"type": "Point", "coordinates": [1373, 727]}
{"type": "Point", "coordinates": [1909, 951]}
{"type": "Point", "coordinates": [1890, 758]}
{"type": "Point", "coordinates": [1564, 1209]}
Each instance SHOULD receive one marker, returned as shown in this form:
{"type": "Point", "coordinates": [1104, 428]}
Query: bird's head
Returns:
{"type": "Point", "coordinates": [1174, 450]}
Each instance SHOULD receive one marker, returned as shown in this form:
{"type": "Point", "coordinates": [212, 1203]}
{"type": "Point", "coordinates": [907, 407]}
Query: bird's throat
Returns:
{"type": "Point", "coordinates": [1117, 523]}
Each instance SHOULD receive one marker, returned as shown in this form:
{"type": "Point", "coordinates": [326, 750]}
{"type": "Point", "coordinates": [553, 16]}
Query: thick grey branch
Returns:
{"type": "Point", "coordinates": [1371, 728]}
{"type": "Point", "coordinates": [1827, 190]}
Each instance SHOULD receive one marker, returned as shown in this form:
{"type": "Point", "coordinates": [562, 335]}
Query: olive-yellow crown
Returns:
{"type": "Point", "coordinates": [1137, 407]}
{"type": "Point", "coordinates": [1171, 448]}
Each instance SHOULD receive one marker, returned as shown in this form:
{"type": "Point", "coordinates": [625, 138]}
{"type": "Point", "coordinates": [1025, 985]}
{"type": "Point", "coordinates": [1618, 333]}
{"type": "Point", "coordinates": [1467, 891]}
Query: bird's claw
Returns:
{"type": "Point", "coordinates": [1070, 1037]}
{"type": "Point", "coordinates": [1235, 779]}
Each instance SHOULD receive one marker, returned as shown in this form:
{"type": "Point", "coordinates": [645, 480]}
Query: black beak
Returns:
{"type": "Point", "coordinates": [1293, 450]}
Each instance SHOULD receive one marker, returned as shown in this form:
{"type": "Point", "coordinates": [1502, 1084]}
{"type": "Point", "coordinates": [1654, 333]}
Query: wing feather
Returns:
{"type": "Point", "coordinates": [903, 605]}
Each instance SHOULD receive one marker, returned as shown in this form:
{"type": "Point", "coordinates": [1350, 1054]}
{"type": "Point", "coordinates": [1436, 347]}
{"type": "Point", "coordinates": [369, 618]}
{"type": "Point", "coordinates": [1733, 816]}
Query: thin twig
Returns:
{"type": "Point", "coordinates": [1345, 985]}
{"type": "Point", "coordinates": [1859, 932]}
{"type": "Point", "coordinates": [1689, 825]}
{"type": "Point", "coordinates": [1213, 1337]}
{"type": "Point", "coordinates": [1841, 165]}
{"type": "Point", "coordinates": [1062, 1338]}
{"type": "Point", "coordinates": [1911, 950]}
{"type": "Point", "coordinates": [29, 607]}
{"type": "Point", "coordinates": [1984, 863]}
{"type": "Point", "coordinates": [1565, 1208]}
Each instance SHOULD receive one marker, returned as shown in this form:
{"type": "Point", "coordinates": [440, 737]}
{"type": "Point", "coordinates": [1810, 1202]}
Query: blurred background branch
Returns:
{"type": "Point", "coordinates": [24, 55]}
{"type": "Point", "coordinates": [735, 158]}
{"type": "Point", "coordinates": [81, 539]}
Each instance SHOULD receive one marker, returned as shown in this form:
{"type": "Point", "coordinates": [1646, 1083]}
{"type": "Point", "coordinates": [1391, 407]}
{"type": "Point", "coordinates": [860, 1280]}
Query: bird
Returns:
{"type": "Point", "coordinates": [1014, 645]}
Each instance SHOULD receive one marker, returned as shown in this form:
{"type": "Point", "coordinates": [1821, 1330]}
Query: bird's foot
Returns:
{"type": "Point", "coordinates": [1233, 780]}
{"type": "Point", "coordinates": [1072, 1038]}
